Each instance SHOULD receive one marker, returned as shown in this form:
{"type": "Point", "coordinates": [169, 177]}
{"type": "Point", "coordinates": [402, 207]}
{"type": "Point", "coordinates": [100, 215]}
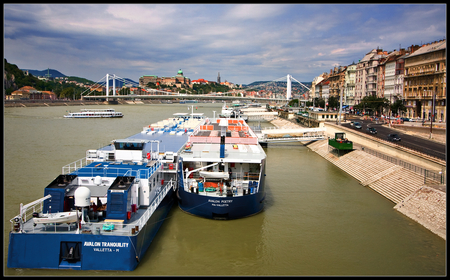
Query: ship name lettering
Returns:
{"type": "Point", "coordinates": [106, 244]}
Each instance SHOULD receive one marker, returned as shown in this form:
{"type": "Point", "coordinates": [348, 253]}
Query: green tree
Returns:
{"type": "Point", "coordinates": [372, 104]}
{"type": "Point", "coordinates": [293, 103]}
{"type": "Point", "coordinates": [333, 102]}
{"type": "Point", "coordinates": [67, 93]}
{"type": "Point", "coordinates": [398, 107]}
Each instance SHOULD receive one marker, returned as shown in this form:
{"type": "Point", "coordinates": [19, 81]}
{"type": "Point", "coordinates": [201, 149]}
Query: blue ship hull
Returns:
{"type": "Point", "coordinates": [93, 251]}
{"type": "Point", "coordinates": [221, 208]}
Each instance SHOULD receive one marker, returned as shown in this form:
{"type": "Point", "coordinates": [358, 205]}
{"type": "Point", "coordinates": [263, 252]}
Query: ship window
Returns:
{"type": "Point", "coordinates": [128, 146]}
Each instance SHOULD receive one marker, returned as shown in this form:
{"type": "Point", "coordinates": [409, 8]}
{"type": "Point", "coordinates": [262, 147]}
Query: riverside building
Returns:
{"type": "Point", "coordinates": [417, 76]}
{"type": "Point", "coordinates": [179, 80]}
{"type": "Point", "coordinates": [425, 82]}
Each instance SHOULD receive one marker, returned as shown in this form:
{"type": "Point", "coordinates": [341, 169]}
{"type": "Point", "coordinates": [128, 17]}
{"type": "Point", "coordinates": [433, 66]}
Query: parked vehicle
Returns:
{"type": "Point", "coordinates": [405, 119]}
{"type": "Point", "coordinates": [372, 130]}
{"type": "Point", "coordinates": [393, 137]}
{"type": "Point", "coordinates": [357, 125]}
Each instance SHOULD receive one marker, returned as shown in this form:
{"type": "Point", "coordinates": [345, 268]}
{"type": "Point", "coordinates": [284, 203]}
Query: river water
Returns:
{"type": "Point", "coordinates": [317, 219]}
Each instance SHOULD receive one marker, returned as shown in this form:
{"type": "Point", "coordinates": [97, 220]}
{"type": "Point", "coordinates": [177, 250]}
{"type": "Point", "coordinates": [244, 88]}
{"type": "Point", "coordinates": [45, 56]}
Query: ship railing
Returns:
{"type": "Point", "coordinates": [241, 180]}
{"type": "Point", "coordinates": [109, 171]}
{"type": "Point", "coordinates": [144, 173]}
{"type": "Point", "coordinates": [96, 227]}
{"type": "Point", "coordinates": [134, 227]}
{"type": "Point", "coordinates": [252, 140]}
{"type": "Point", "coordinates": [69, 168]}
{"type": "Point", "coordinates": [26, 212]}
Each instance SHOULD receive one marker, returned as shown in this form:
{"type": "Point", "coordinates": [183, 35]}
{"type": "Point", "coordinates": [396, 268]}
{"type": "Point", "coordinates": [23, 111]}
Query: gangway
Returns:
{"type": "Point", "coordinates": [283, 135]}
{"type": "Point", "coordinates": [268, 116]}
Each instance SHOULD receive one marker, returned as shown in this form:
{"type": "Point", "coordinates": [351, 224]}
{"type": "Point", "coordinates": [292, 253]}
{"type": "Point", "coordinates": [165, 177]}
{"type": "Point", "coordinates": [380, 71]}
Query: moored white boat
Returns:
{"type": "Point", "coordinates": [95, 113]}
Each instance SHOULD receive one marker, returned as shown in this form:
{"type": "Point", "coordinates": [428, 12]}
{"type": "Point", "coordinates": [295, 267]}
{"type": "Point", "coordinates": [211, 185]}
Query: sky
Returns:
{"type": "Point", "coordinates": [245, 43]}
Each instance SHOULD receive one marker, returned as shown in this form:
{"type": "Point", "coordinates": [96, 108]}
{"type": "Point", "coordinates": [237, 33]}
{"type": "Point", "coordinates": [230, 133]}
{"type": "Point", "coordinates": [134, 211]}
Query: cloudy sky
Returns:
{"type": "Point", "coordinates": [245, 43]}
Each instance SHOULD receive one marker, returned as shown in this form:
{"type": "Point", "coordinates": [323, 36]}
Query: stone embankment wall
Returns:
{"type": "Point", "coordinates": [427, 206]}
{"type": "Point", "coordinates": [406, 189]}
{"type": "Point", "coordinates": [40, 103]}
{"type": "Point", "coordinates": [424, 204]}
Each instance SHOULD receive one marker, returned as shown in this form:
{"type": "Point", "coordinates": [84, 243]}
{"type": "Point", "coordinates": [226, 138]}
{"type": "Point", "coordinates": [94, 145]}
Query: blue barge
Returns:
{"type": "Point", "coordinates": [104, 210]}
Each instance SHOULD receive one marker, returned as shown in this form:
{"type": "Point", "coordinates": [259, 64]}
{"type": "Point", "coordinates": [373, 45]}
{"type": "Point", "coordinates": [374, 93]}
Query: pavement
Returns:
{"type": "Point", "coordinates": [283, 123]}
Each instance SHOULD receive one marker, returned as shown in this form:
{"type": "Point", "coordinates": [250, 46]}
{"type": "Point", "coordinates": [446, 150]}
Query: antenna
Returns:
{"type": "Point", "coordinates": [48, 75]}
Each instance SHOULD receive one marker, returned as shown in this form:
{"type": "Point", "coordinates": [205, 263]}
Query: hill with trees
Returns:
{"type": "Point", "coordinates": [14, 78]}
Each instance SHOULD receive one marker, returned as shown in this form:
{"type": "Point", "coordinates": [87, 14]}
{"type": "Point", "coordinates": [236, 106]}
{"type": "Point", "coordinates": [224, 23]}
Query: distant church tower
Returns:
{"type": "Point", "coordinates": [218, 78]}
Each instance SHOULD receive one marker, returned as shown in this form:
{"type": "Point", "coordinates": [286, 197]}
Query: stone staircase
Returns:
{"type": "Point", "coordinates": [390, 180]}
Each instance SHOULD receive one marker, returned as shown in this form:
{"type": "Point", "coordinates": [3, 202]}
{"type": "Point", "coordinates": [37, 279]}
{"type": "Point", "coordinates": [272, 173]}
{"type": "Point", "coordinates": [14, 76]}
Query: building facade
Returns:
{"type": "Point", "coordinates": [349, 85]}
{"type": "Point", "coordinates": [367, 74]}
{"type": "Point", "coordinates": [315, 91]}
{"type": "Point", "coordinates": [337, 81]}
{"type": "Point", "coordinates": [425, 82]}
{"type": "Point", "coordinates": [416, 75]}
{"type": "Point", "coordinates": [179, 80]}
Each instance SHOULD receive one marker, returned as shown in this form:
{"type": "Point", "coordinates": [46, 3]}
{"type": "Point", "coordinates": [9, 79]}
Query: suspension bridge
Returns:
{"type": "Point", "coordinates": [148, 93]}
{"type": "Point", "coordinates": [265, 136]}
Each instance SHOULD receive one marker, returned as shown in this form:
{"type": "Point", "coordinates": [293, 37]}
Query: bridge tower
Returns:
{"type": "Point", "coordinates": [107, 85]}
{"type": "Point", "coordinates": [288, 91]}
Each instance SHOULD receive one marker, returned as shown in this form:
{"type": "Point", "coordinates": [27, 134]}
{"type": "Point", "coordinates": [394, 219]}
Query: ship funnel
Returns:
{"type": "Point", "coordinates": [222, 146]}
{"type": "Point", "coordinates": [223, 132]}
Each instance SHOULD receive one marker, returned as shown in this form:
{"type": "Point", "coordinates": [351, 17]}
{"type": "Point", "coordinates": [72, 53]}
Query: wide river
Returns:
{"type": "Point", "coordinates": [317, 219]}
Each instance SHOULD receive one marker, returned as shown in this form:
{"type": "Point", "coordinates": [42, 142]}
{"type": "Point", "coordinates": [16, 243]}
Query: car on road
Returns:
{"type": "Point", "coordinates": [393, 137]}
{"type": "Point", "coordinates": [357, 125]}
{"type": "Point", "coordinates": [405, 119]}
{"type": "Point", "coordinates": [371, 130]}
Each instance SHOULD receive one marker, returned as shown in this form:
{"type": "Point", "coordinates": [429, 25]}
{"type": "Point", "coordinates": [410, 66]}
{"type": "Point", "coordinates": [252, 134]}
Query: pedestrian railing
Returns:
{"type": "Point", "coordinates": [438, 177]}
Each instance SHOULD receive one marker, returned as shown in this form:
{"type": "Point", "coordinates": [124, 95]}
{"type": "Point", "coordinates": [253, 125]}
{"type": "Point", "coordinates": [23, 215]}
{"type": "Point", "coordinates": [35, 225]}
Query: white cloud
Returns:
{"type": "Point", "coordinates": [255, 11]}
{"type": "Point", "coordinates": [243, 42]}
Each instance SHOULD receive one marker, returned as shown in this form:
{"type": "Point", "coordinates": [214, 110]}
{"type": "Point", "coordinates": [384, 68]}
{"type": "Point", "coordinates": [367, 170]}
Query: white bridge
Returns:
{"type": "Point", "coordinates": [282, 135]}
{"type": "Point", "coordinates": [97, 91]}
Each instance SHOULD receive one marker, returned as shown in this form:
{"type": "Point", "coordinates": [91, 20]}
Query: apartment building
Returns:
{"type": "Point", "coordinates": [349, 85]}
{"type": "Point", "coordinates": [399, 77]}
{"type": "Point", "coordinates": [337, 81]}
{"type": "Point", "coordinates": [425, 82]}
{"type": "Point", "coordinates": [315, 91]}
{"type": "Point", "coordinates": [367, 74]}
{"type": "Point", "coordinates": [393, 76]}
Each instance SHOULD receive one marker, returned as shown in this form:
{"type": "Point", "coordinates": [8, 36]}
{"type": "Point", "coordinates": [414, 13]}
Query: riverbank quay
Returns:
{"type": "Point", "coordinates": [424, 203]}
{"type": "Point", "coordinates": [48, 103]}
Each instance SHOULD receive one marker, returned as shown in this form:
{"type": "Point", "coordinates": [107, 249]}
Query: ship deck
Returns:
{"type": "Point", "coordinates": [241, 144]}
{"type": "Point", "coordinates": [94, 226]}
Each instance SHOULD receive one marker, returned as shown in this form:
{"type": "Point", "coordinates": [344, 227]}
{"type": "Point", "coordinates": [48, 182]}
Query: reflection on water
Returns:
{"type": "Point", "coordinates": [317, 219]}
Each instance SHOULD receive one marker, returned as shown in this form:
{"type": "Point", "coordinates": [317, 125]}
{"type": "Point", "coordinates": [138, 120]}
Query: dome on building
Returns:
{"type": "Point", "coordinates": [180, 72]}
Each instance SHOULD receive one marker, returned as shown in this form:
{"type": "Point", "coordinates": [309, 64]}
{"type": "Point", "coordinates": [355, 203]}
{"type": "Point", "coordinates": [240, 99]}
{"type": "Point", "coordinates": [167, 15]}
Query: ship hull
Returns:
{"type": "Point", "coordinates": [220, 207]}
{"type": "Point", "coordinates": [91, 251]}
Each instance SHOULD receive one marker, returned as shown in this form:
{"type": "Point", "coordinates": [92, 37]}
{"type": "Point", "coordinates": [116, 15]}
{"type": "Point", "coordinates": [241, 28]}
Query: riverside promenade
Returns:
{"type": "Point", "coordinates": [424, 203]}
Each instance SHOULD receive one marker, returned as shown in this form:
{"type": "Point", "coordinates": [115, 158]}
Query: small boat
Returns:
{"type": "Point", "coordinates": [95, 113]}
{"type": "Point", "coordinates": [215, 175]}
{"type": "Point", "coordinates": [61, 217]}
{"type": "Point", "coordinates": [233, 112]}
